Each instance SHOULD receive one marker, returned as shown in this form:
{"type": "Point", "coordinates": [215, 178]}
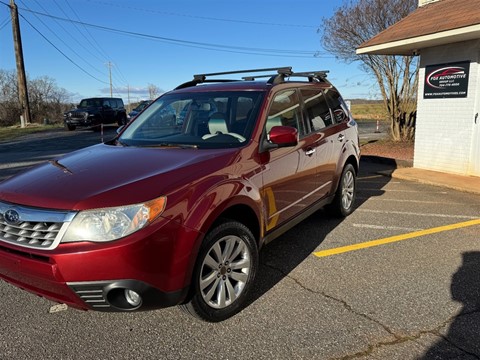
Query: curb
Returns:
{"type": "Point", "coordinates": [387, 161]}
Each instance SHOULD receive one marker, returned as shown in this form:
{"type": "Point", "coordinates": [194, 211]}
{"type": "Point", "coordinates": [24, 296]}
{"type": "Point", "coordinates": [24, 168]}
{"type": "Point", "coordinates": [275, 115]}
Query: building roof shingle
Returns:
{"type": "Point", "coordinates": [430, 20]}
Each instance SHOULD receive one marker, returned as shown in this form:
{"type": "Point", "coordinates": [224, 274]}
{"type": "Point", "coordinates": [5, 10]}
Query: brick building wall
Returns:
{"type": "Point", "coordinates": [445, 138]}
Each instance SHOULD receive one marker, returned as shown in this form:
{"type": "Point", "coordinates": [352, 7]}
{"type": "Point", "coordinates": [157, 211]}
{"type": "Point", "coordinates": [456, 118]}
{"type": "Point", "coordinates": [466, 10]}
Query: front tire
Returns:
{"type": "Point", "coordinates": [224, 272]}
{"type": "Point", "coordinates": [342, 204]}
{"type": "Point", "coordinates": [122, 121]}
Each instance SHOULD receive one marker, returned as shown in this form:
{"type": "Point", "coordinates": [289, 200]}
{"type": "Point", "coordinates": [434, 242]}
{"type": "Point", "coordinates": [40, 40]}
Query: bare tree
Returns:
{"type": "Point", "coordinates": [153, 91]}
{"type": "Point", "coordinates": [397, 76]}
{"type": "Point", "coordinates": [10, 110]}
{"type": "Point", "coordinates": [47, 100]}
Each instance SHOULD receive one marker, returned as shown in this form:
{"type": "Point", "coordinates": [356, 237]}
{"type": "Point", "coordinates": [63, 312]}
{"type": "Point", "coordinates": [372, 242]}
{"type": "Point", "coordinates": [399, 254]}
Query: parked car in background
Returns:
{"type": "Point", "coordinates": [174, 210]}
{"type": "Point", "coordinates": [142, 105]}
{"type": "Point", "coordinates": [95, 111]}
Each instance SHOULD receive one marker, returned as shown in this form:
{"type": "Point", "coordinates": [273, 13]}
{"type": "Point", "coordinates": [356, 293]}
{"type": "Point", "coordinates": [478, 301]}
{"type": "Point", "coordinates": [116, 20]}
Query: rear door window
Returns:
{"type": "Point", "coordinates": [338, 106]}
{"type": "Point", "coordinates": [316, 110]}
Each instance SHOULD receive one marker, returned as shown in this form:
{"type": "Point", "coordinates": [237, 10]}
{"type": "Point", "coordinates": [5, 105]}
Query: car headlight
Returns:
{"type": "Point", "coordinates": [107, 224]}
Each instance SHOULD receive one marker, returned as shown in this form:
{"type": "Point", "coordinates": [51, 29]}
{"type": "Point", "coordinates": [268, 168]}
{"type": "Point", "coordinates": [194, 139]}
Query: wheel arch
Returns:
{"type": "Point", "coordinates": [243, 214]}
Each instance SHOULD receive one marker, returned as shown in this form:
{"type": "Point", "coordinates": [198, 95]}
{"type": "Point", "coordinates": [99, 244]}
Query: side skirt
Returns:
{"type": "Point", "coordinates": [296, 220]}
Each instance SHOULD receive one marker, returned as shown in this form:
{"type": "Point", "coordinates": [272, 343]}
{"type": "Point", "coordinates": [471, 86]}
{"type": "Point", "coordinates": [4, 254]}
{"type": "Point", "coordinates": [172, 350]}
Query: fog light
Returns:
{"type": "Point", "coordinates": [133, 298]}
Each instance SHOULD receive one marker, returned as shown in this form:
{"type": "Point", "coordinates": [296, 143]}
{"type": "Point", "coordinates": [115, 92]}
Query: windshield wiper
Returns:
{"type": "Point", "coordinates": [173, 145]}
{"type": "Point", "coordinates": [118, 142]}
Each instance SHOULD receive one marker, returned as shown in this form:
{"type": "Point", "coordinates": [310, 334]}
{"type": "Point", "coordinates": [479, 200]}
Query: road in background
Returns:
{"type": "Point", "coordinates": [33, 149]}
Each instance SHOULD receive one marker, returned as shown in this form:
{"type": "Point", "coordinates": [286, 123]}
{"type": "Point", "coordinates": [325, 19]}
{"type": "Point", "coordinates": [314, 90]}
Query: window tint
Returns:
{"type": "Point", "coordinates": [244, 108]}
{"type": "Point", "coordinates": [242, 111]}
{"type": "Point", "coordinates": [317, 113]}
{"type": "Point", "coordinates": [205, 120]}
{"type": "Point", "coordinates": [339, 108]}
{"type": "Point", "coordinates": [284, 111]}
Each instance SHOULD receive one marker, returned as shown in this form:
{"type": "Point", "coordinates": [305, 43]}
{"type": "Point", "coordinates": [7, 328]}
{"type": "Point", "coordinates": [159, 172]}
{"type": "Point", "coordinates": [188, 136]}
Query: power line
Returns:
{"type": "Point", "coordinates": [87, 48]}
{"type": "Point", "coordinates": [94, 42]}
{"type": "Point", "coordinates": [74, 39]}
{"type": "Point", "coordinates": [61, 52]}
{"type": "Point", "coordinates": [5, 22]}
{"type": "Point", "coordinates": [203, 17]}
{"type": "Point", "coordinates": [194, 44]}
{"type": "Point", "coordinates": [65, 43]}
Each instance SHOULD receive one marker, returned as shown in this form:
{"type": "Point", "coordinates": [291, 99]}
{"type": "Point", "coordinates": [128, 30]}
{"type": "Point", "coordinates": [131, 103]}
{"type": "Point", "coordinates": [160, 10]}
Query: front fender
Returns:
{"type": "Point", "coordinates": [203, 203]}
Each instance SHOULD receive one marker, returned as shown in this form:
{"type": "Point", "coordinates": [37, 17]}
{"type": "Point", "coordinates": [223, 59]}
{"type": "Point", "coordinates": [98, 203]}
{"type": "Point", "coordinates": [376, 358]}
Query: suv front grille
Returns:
{"type": "Point", "coordinates": [78, 115]}
{"type": "Point", "coordinates": [31, 227]}
{"type": "Point", "coordinates": [33, 234]}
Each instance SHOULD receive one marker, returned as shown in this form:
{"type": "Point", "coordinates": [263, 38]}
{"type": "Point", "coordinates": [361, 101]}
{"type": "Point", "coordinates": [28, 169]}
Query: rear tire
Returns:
{"type": "Point", "coordinates": [224, 272]}
{"type": "Point", "coordinates": [343, 203]}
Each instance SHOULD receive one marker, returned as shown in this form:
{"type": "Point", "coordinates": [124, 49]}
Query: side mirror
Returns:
{"type": "Point", "coordinates": [281, 136]}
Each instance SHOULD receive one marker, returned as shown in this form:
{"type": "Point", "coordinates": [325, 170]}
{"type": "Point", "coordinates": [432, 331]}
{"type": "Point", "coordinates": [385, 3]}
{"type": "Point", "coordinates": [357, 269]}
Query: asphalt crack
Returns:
{"type": "Point", "coordinates": [398, 339]}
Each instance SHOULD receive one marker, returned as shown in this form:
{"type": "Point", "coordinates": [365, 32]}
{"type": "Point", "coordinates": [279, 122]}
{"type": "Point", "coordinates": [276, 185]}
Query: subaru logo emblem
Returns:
{"type": "Point", "coordinates": [12, 217]}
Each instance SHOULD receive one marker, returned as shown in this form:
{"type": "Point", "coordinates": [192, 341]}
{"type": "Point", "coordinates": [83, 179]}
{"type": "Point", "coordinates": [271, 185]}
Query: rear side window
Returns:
{"type": "Point", "coordinates": [338, 106]}
{"type": "Point", "coordinates": [316, 110]}
{"type": "Point", "coordinates": [285, 111]}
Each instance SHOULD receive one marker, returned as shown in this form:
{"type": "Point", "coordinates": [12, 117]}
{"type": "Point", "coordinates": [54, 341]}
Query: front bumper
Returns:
{"type": "Point", "coordinates": [79, 122]}
{"type": "Point", "coordinates": [154, 262]}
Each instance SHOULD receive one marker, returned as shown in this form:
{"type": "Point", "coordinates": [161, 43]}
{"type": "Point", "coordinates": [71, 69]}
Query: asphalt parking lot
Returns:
{"type": "Point", "coordinates": [398, 279]}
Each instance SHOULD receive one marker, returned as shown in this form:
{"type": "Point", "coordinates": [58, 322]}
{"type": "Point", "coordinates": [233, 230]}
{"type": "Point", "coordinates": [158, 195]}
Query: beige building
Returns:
{"type": "Point", "coordinates": [446, 36]}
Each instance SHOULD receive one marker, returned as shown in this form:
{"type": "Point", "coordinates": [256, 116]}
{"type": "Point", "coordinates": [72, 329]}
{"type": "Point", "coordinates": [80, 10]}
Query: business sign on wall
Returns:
{"type": "Point", "coordinates": [446, 80]}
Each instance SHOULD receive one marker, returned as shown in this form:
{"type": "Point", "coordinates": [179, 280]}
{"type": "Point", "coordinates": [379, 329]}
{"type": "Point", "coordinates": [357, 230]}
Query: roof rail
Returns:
{"type": "Point", "coordinates": [279, 77]}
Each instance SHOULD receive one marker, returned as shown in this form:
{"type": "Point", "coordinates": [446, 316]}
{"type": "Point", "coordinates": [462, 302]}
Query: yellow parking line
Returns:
{"type": "Point", "coordinates": [395, 238]}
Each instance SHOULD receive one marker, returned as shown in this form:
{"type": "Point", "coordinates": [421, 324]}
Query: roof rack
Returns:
{"type": "Point", "coordinates": [279, 77]}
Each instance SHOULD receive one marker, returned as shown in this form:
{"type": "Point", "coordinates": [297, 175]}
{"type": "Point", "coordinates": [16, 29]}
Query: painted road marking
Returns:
{"type": "Point", "coordinates": [417, 214]}
{"type": "Point", "coordinates": [370, 177]}
{"type": "Point", "coordinates": [396, 238]}
{"type": "Point", "coordinates": [403, 191]}
{"type": "Point", "coordinates": [382, 227]}
{"type": "Point", "coordinates": [409, 201]}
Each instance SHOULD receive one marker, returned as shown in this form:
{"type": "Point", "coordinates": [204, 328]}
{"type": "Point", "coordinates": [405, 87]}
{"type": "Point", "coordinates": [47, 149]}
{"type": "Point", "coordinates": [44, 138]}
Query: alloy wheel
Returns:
{"type": "Point", "coordinates": [225, 271]}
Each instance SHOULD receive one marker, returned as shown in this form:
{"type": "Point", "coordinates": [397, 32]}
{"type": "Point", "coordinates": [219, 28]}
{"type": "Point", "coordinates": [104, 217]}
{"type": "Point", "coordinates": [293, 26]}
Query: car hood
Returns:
{"type": "Point", "coordinates": [105, 175]}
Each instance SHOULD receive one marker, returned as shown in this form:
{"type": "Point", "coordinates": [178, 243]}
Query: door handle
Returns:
{"type": "Point", "coordinates": [310, 152]}
{"type": "Point", "coordinates": [341, 137]}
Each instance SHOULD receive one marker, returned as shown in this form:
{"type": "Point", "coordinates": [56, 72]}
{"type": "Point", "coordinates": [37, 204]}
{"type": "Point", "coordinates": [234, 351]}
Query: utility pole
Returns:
{"type": "Point", "coordinates": [128, 95]}
{"type": "Point", "coordinates": [109, 64]}
{"type": "Point", "coordinates": [21, 77]}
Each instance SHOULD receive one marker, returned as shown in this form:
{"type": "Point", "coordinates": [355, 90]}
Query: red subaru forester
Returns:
{"type": "Point", "coordinates": [175, 209]}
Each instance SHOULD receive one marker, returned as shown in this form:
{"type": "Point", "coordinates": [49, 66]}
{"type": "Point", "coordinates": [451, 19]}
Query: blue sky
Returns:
{"type": "Point", "coordinates": [165, 42]}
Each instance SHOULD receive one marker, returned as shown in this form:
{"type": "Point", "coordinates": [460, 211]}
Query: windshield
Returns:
{"type": "Point", "coordinates": [90, 103]}
{"type": "Point", "coordinates": [142, 106]}
{"type": "Point", "coordinates": [201, 120]}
